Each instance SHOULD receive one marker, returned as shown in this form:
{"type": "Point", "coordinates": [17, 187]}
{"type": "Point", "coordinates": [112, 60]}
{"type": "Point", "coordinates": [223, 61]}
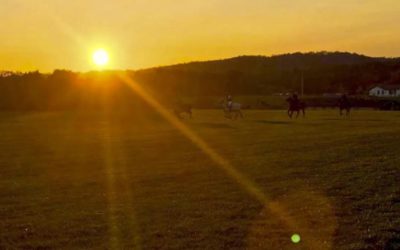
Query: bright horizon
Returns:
{"type": "Point", "coordinates": [54, 34]}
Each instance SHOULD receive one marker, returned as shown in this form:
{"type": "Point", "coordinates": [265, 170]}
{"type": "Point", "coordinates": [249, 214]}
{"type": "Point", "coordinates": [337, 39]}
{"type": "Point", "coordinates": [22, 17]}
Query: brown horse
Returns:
{"type": "Point", "coordinates": [295, 105]}
{"type": "Point", "coordinates": [180, 109]}
{"type": "Point", "coordinates": [300, 107]}
{"type": "Point", "coordinates": [344, 105]}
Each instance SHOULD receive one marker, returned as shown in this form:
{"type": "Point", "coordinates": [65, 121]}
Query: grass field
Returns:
{"type": "Point", "coordinates": [91, 181]}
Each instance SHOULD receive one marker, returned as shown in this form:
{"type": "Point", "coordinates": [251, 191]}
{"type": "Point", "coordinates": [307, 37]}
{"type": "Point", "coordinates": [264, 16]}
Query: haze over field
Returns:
{"type": "Point", "coordinates": [49, 34]}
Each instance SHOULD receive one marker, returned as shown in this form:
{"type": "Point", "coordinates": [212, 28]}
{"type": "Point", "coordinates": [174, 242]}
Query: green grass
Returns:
{"type": "Point", "coordinates": [84, 181]}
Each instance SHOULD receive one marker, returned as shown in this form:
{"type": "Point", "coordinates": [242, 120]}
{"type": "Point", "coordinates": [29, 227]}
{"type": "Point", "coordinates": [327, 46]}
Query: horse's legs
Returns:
{"type": "Point", "coordinates": [241, 114]}
{"type": "Point", "coordinates": [227, 114]}
{"type": "Point", "coordinates": [298, 113]}
{"type": "Point", "coordinates": [304, 112]}
{"type": "Point", "coordinates": [290, 113]}
{"type": "Point", "coordinates": [235, 116]}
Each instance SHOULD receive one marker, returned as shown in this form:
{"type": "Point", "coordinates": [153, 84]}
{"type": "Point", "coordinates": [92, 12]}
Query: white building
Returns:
{"type": "Point", "coordinates": [385, 90]}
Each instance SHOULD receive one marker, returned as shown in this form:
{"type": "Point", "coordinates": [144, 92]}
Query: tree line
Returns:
{"type": "Point", "coordinates": [321, 72]}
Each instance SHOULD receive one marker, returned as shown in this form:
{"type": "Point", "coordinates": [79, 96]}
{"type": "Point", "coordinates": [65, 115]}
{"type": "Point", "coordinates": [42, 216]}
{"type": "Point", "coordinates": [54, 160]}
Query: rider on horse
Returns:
{"type": "Point", "coordinates": [294, 104]}
{"type": "Point", "coordinates": [344, 104]}
{"type": "Point", "coordinates": [295, 101]}
{"type": "Point", "coordinates": [344, 101]}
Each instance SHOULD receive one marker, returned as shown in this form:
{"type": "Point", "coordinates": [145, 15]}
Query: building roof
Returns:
{"type": "Point", "coordinates": [387, 86]}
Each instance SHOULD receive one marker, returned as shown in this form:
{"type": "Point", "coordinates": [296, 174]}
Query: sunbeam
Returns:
{"type": "Point", "coordinates": [222, 163]}
{"type": "Point", "coordinates": [110, 174]}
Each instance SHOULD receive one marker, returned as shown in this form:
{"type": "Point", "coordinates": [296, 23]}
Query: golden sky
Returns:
{"type": "Point", "coordinates": [62, 34]}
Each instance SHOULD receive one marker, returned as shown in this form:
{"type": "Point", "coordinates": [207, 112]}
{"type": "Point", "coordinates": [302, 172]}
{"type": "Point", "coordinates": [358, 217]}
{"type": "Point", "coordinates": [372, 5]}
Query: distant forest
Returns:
{"type": "Point", "coordinates": [323, 72]}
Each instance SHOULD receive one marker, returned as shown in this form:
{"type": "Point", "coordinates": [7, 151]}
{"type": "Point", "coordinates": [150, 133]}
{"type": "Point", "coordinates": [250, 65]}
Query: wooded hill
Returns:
{"type": "Point", "coordinates": [322, 72]}
{"type": "Point", "coordinates": [259, 75]}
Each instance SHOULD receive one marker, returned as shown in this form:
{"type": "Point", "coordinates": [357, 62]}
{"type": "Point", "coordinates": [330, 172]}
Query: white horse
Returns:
{"type": "Point", "coordinates": [234, 111]}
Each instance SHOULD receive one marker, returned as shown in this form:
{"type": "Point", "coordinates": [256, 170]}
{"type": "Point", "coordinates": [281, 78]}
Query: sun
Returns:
{"type": "Point", "coordinates": [100, 57]}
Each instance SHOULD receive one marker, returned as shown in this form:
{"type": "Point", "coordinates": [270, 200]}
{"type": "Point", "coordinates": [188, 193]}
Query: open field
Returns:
{"type": "Point", "coordinates": [87, 181]}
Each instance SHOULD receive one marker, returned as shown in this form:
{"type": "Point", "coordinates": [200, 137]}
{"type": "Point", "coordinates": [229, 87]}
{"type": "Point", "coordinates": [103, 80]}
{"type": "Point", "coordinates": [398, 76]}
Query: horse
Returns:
{"type": "Point", "coordinates": [344, 106]}
{"type": "Point", "coordinates": [233, 111]}
{"type": "Point", "coordinates": [180, 109]}
{"type": "Point", "coordinates": [296, 106]}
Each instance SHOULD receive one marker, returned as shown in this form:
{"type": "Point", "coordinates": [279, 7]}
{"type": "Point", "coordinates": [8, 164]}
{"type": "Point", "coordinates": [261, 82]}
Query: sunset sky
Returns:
{"type": "Point", "coordinates": [58, 34]}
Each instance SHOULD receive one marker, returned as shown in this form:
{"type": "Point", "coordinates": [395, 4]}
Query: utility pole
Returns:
{"type": "Point", "coordinates": [302, 83]}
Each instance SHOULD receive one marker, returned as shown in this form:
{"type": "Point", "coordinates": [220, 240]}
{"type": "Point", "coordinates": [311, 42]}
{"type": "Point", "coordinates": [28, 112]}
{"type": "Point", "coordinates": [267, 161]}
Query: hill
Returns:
{"type": "Point", "coordinates": [322, 72]}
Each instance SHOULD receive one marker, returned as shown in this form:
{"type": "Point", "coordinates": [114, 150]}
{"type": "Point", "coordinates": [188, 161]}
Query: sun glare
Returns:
{"type": "Point", "coordinates": [100, 57]}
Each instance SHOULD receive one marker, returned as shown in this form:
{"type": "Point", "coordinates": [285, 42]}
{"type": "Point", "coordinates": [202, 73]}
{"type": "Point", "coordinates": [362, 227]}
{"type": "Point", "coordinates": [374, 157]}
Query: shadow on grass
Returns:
{"type": "Point", "coordinates": [213, 125]}
{"type": "Point", "coordinates": [273, 122]}
{"type": "Point", "coordinates": [13, 115]}
{"type": "Point", "coordinates": [352, 120]}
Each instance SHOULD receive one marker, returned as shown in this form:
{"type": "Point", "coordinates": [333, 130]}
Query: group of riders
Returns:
{"type": "Point", "coordinates": [296, 105]}
{"type": "Point", "coordinates": [232, 110]}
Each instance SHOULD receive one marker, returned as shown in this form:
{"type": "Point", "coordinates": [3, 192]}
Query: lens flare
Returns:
{"type": "Point", "coordinates": [296, 238]}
